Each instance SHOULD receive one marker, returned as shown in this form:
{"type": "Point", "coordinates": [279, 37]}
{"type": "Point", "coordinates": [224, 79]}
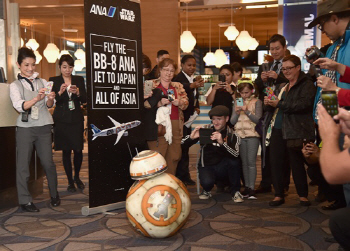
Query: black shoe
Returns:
{"type": "Point", "coordinates": [189, 182]}
{"type": "Point", "coordinates": [330, 239]}
{"type": "Point", "coordinates": [261, 189]}
{"type": "Point", "coordinates": [305, 203]}
{"type": "Point", "coordinates": [55, 201]}
{"type": "Point", "coordinates": [246, 192]}
{"type": "Point", "coordinates": [79, 183]}
{"type": "Point", "coordinates": [71, 188]}
{"type": "Point", "coordinates": [320, 197]}
{"type": "Point", "coordinates": [333, 206]}
{"type": "Point", "coordinates": [30, 207]}
{"type": "Point", "coordinates": [276, 203]}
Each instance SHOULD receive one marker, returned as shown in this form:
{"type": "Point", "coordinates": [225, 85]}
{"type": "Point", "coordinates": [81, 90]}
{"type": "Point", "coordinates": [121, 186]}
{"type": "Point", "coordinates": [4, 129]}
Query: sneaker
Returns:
{"type": "Point", "coordinates": [205, 195]}
{"type": "Point", "coordinates": [246, 192]}
{"type": "Point", "coordinates": [251, 195]}
{"type": "Point", "coordinates": [238, 198]}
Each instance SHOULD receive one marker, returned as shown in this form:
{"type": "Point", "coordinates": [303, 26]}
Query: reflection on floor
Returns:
{"type": "Point", "coordinates": [215, 224]}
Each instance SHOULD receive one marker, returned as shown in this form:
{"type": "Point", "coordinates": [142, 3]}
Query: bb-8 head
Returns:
{"type": "Point", "coordinates": [147, 164]}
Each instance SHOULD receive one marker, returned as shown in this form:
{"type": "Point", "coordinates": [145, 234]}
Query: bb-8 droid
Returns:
{"type": "Point", "coordinates": [158, 204]}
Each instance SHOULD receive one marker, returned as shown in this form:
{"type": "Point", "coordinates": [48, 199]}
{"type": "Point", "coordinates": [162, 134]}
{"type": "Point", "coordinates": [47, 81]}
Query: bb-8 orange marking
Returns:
{"type": "Point", "coordinates": [145, 205]}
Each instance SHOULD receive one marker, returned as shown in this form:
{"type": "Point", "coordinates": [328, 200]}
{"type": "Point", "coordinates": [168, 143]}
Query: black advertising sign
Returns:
{"type": "Point", "coordinates": [115, 96]}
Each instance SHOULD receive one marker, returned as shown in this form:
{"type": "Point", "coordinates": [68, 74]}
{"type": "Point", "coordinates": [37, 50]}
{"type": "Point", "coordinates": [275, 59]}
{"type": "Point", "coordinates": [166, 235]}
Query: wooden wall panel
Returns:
{"type": "Point", "coordinates": [160, 28]}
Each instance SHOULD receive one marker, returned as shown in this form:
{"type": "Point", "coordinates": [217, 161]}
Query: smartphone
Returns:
{"type": "Point", "coordinates": [318, 71]}
{"type": "Point", "coordinates": [265, 67]}
{"type": "Point", "coordinates": [222, 78]}
{"type": "Point", "coordinates": [330, 102]}
{"type": "Point", "coordinates": [171, 95]}
{"type": "Point", "coordinates": [239, 102]}
{"type": "Point", "coordinates": [204, 136]}
{"type": "Point", "coordinates": [48, 87]}
{"type": "Point", "coordinates": [147, 87]}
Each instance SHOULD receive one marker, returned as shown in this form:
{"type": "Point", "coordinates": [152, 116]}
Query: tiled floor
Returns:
{"type": "Point", "coordinates": [214, 224]}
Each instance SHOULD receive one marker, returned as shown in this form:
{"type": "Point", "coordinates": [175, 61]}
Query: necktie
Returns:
{"type": "Point", "coordinates": [277, 64]}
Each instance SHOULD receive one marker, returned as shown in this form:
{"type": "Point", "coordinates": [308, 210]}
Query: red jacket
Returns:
{"type": "Point", "coordinates": [344, 94]}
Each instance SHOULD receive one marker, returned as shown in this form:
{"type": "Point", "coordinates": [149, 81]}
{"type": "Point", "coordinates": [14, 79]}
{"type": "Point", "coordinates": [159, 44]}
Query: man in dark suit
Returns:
{"type": "Point", "coordinates": [190, 84]}
{"type": "Point", "coordinates": [161, 54]}
{"type": "Point", "coordinates": [270, 76]}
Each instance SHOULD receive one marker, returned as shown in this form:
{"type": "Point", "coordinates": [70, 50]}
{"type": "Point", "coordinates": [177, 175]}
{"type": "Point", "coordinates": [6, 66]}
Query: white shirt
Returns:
{"type": "Point", "coordinates": [190, 79]}
{"type": "Point", "coordinates": [15, 94]}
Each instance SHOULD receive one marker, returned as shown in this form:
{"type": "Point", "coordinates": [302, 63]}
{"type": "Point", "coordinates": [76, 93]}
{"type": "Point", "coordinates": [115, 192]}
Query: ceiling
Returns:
{"type": "Point", "coordinates": [69, 14]}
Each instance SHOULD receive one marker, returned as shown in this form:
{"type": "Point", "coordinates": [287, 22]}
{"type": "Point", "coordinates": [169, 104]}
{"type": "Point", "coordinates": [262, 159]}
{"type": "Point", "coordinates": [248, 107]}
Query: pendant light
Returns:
{"type": "Point", "coordinates": [79, 53]}
{"type": "Point", "coordinates": [51, 51]}
{"type": "Point", "coordinates": [38, 57]}
{"type": "Point", "coordinates": [244, 40]}
{"type": "Point", "coordinates": [209, 58]}
{"type": "Point", "coordinates": [187, 40]}
{"type": "Point", "coordinates": [64, 51]}
{"type": "Point", "coordinates": [231, 32]}
{"type": "Point", "coordinates": [32, 43]}
{"type": "Point", "coordinates": [220, 56]}
{"type": "Point", "coordinates": [78, 65]}
{"type": "Point", "coordinates": [254, 43]}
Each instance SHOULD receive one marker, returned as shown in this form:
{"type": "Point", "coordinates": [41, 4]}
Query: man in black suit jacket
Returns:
{"type": "Point", "coordinates": [272, 76]}
{"type": "Point", "coordinates": [186, 78]}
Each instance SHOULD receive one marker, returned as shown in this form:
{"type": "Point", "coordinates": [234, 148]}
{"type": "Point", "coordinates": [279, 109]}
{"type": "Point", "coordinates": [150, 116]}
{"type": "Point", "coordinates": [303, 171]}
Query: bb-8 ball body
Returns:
{"type": "Point", "coordinates": [158, 207]}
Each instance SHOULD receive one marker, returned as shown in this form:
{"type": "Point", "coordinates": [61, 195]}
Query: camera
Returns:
{"type": "Point", "coordinates": [25, 116]}
{"type": "Point", "coordinates": [313, 54]}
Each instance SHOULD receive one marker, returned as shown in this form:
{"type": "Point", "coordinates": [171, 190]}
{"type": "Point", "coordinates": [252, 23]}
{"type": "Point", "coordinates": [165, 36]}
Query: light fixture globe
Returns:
{"type": "Point", "coordinates": [220, 58]}
{"type": "Point", "coordinates": [209, 58]}
{"type": "Point", "coordinates": [231, 33]}
{"type": "Point", "coordinates": [79, 54]}
{"type": "Point", "coordinates": [51, 52]}
{"type": "Point", "coordinates": [78, 65]}
{"type": "Point", "coordinates": [33, 44]}
{"type": "Point", "coordinates": [38, 57]}
{"type": "Point", "coordinates": [187, 41]}
{"type": "Point", "coordinates": [244, 41]}
{"type": "Point", "coordinates": [63, 52]}
{"type": "Point", "coordinates": [254, 44]}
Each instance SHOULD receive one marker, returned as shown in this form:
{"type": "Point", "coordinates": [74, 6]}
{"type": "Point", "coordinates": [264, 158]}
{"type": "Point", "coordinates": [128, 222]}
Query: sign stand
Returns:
{"type": "Point", "coordinates": [114, 98]}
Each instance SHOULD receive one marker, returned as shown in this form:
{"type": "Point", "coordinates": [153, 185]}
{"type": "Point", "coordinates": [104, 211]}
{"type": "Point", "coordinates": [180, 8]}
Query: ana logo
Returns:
{"type": "Point", "coordinates": [102, 11]}
{"type": "Point", "coordinates": [127, 15]}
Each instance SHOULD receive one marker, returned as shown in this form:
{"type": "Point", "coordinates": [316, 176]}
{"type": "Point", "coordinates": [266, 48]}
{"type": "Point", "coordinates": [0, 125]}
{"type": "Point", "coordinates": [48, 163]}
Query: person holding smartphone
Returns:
{"type": "Point", "coordinates": [69, 120]}
{"type": "Point", "coordinates": [222, 93]}
{"type": "Point", "coordinates": [33, 128]}
{"type": "Point", "coordinates": [168, 101]}
{"type": "Point", "coordinates": [291, 123]}
{"type": "Point", "coordinates": [247, 112]}
{"type": "Point", "coordinates": [220, 157]}
{"type": "Point", "coordinates": [191, 84]}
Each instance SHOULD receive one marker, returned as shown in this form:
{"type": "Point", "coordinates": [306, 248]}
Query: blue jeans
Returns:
{"type": "Point", "coordinates": [227, 168]}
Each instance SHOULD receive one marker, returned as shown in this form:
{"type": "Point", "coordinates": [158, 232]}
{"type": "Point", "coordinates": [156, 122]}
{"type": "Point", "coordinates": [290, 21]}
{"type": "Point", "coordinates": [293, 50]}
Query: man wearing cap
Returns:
{"type": "Point", "coordinates": [219, 160]}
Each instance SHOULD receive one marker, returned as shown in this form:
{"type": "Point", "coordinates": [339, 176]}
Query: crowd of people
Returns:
{"type": "Point", "coordinates": [281, 111]}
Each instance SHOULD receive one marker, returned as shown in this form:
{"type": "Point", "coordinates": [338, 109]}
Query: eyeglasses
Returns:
{"type": "Point", "coordinates": [287, 68]}
{"type": "Point", "coordinates": [168, 70]}
{"type": "Point", "coordinates": [321, 24]}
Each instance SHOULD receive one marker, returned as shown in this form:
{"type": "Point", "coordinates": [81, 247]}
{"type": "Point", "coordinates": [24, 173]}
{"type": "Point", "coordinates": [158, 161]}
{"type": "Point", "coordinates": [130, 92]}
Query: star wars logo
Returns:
{"type": "Point", "coordinates": [127, 15]}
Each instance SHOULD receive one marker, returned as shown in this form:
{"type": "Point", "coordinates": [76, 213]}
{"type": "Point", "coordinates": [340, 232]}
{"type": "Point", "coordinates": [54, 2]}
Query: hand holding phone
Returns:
{"type": "Point", "coordinates": [147, 88]}
{"type": "Point", "coordinates": [171, 95]}
{"type": "Point", "coordinates": [239, 102]}
{"type": "Point", "coordinates": [330, 102]}
{"type": "Point", "coordinates": [48, 87]}
{"type": "Point", "coordinates": [265, 67]}
{"type": "Point", "coordinates": [222, 79]}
